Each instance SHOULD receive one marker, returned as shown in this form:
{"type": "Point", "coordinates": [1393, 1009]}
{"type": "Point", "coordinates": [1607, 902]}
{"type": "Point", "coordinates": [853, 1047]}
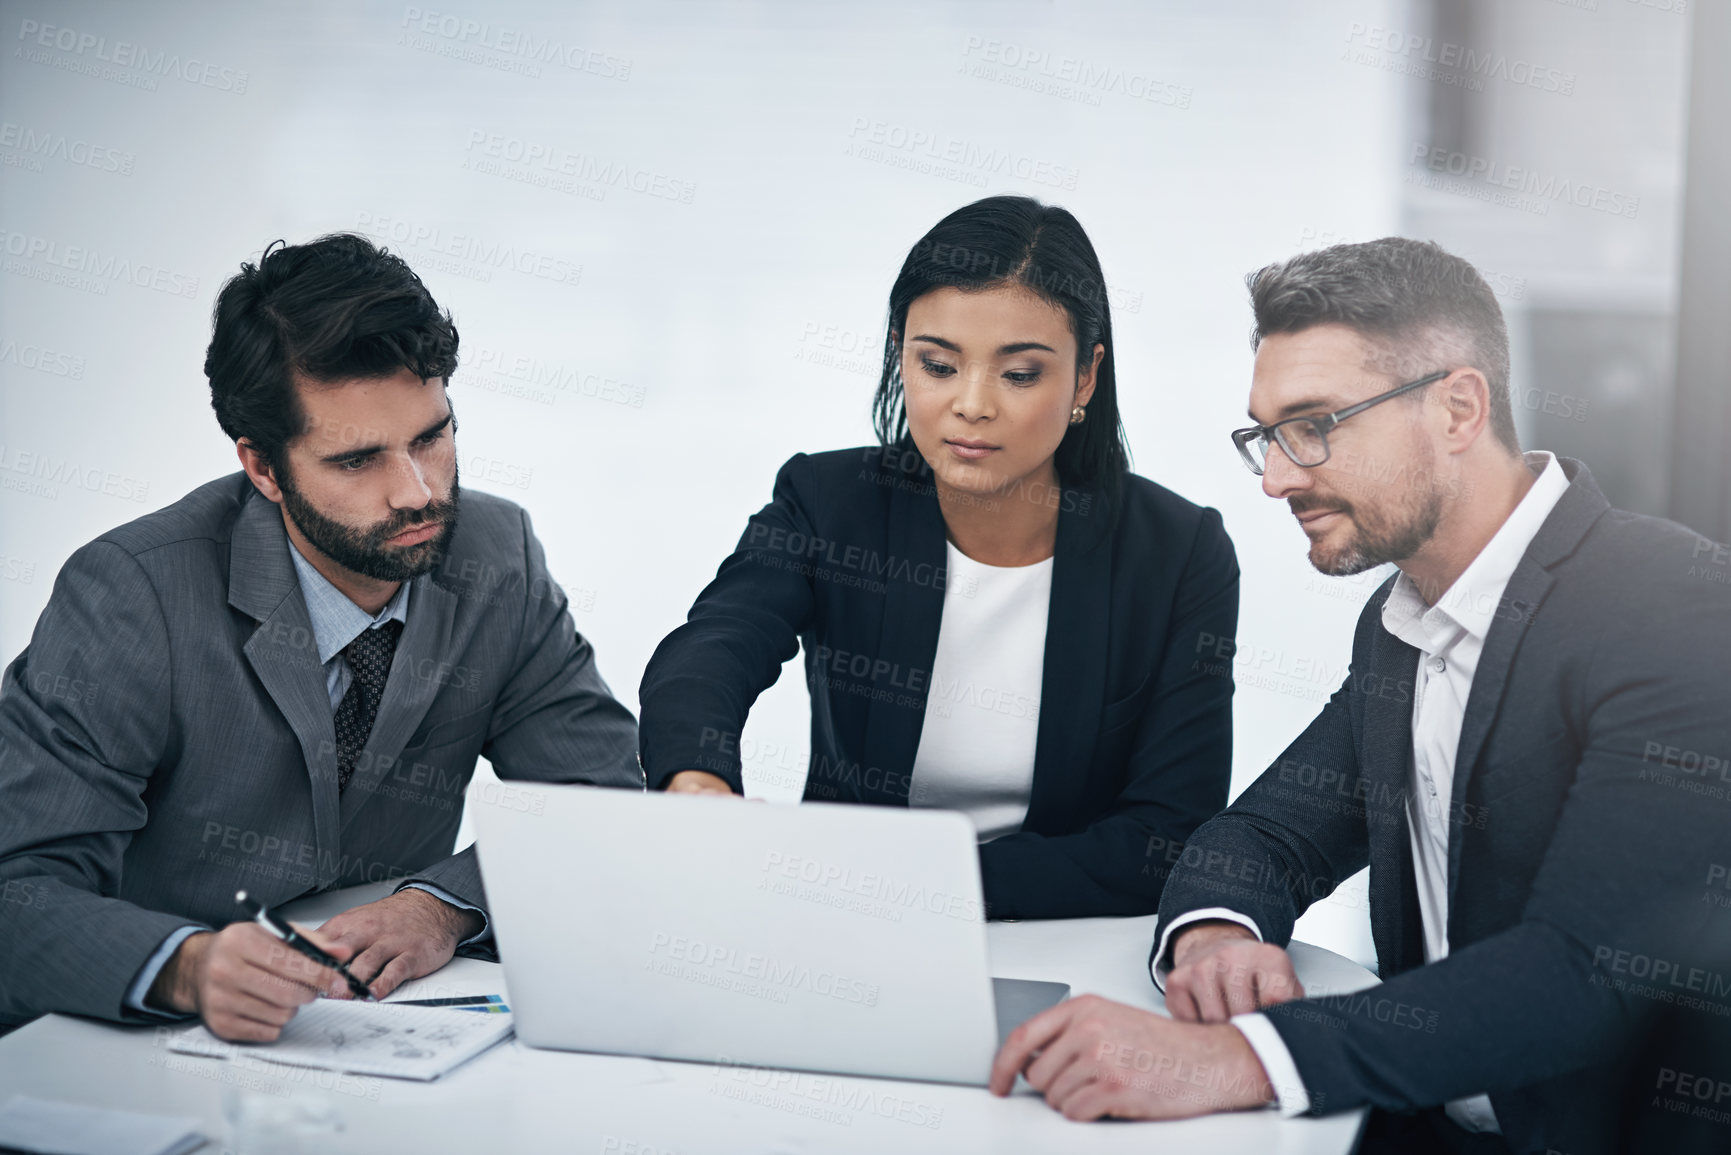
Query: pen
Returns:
{"type": "Point", "coordinates": [295, 939]}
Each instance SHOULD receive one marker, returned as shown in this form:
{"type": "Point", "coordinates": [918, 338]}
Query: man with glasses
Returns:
{"type": "Point", "coordinates": [1510, 755]}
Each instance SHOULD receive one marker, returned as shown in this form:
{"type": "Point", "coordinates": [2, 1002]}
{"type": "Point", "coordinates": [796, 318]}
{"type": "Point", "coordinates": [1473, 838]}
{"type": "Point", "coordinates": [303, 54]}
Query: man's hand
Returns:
{"type": "Point", "coordinates": [410, 934]}
{"type": "Point", "coordinates": [698, 782]}
{"type": "Point", "coordinates": [1092, 1057]}
{"type": "Point", "coordinates": [1219, 969]}
{"type": "Point", "coordinates": [243, 981]}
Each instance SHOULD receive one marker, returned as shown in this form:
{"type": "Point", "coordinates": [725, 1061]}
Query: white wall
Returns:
{"type": "Point", "coordinates": [714, 312]}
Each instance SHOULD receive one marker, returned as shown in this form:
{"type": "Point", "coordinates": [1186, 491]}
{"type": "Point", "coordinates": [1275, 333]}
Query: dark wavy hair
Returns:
{"type": "Point", "coordinates": [1015, 240]}
{"type": "Point", "coordinates": [335, 309]}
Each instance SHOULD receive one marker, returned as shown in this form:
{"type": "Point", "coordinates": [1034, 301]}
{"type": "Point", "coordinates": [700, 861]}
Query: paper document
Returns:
{"type": "Point", "coordinates": [28, 1124]}
{"type": "Point", "coordinates": [399, 1042]}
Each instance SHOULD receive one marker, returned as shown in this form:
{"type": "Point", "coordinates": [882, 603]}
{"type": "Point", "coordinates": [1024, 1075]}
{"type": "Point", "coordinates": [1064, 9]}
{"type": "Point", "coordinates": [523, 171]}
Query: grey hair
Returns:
{"type": "Point", "coordinates": [1421, 308]}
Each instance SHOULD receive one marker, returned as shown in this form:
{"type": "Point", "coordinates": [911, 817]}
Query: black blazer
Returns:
{"type": "Point", "coordinates": [1135, 734]}
{"type": "Point", "coordinates": [1589, 808]}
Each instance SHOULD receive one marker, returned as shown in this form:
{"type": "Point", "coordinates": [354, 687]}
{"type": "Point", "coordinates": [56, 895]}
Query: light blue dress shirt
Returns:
{"type": "Point", "coordinates": [336, 622]}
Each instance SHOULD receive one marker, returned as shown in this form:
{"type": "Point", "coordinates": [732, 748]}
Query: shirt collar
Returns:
{"type": "Point", "coordinates": [1470, 604]}
{"type": "Point", "coordinates": [337, 621]}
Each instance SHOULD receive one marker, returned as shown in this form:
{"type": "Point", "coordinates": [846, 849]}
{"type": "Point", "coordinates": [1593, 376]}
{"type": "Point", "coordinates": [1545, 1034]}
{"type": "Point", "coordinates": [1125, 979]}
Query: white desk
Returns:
{"type": "Point", "coordinates": [517, 1099]}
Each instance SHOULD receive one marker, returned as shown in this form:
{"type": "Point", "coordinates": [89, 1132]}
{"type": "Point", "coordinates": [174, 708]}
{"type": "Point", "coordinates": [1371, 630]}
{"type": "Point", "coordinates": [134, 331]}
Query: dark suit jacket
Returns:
{"type": "Point", "coordinates": [1585, 806]}
{"type": "Point", "coordinates": [167, 738]}
{"type": "Point", "coordinates": [1135, 732]}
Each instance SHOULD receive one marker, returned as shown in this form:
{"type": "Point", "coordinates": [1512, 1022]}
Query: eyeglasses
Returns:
{"type": "Point", "coordinates": [1304, 440]}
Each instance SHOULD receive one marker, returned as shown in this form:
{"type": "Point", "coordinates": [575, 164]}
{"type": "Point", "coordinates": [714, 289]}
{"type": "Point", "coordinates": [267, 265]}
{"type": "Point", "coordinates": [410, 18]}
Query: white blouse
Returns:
{"type": "Point", "coordinates": [976, 751]}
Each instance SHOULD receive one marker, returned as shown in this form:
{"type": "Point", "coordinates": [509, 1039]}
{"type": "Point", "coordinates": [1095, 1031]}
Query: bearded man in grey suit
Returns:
{"type": "Point", "coordinates": [281, 682]}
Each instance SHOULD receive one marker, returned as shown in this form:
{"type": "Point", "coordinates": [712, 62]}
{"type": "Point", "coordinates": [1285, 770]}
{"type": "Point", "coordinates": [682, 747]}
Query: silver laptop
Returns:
{"type": "Point", "coordinates": [843, 939]}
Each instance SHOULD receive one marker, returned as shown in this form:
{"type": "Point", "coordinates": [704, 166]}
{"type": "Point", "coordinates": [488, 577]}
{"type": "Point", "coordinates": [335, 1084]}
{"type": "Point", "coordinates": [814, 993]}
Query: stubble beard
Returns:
{"type": "Point", "coordinates": [1378, 537]}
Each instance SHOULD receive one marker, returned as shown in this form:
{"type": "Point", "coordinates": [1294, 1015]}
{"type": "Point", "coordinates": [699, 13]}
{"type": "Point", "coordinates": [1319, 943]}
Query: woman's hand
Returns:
{"type": "Point", "coordinates": [698, 782]}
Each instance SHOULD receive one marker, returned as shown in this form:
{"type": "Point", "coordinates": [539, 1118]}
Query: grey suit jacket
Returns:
{"type": "Point", "coordinates": [166, 738]}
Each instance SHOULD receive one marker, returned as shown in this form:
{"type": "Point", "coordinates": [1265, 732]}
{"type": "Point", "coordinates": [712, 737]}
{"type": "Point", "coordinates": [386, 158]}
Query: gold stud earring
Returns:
{"type": "Point", "coordinates": [1077, 415]}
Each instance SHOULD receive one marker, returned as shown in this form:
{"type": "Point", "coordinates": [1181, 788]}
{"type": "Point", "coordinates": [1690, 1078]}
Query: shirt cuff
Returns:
{"type": "Point", "coordinates": [1277, 1064]}
{"type": "Point", "coordinates": [152, 967]}
{"type": "Point", "coordinates": [1161, 966]}
{"type": "Point", "coordinates": [446, 896]}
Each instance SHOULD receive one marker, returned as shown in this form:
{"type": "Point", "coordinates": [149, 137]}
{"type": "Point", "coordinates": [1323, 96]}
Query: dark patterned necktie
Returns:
{"type": "Point", "coordinates": [369, 657]}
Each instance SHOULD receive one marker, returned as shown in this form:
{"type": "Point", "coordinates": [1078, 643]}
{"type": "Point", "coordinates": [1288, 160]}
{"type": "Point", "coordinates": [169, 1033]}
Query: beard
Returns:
{"type": "Point", "coordinates": [366, 550]}
{"type": "Point", "coordinates": [1390, 531]}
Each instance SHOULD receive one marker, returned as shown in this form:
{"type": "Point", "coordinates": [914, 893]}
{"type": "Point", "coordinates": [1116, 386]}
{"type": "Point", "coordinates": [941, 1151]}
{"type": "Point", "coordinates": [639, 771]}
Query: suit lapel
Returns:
{"type": "Point", "coordinates": [422, 653]}
{"type": "Point", "coordinates": [1073, 673]}
{"type": "Point", "coordinates": [913, 614]}
{"type": "Point", "coordinates": [283, 653]}
{"type": "Point", "coordinates": [1385, 761]}
{"type": "Point", "coordinates": [1526, 589]}
{"type": "Point", "coordinates": [1580, 506]}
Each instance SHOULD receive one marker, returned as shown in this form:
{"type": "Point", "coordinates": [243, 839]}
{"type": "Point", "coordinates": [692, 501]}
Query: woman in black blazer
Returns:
{"type": "Point", "coordinates": [1087, 730]}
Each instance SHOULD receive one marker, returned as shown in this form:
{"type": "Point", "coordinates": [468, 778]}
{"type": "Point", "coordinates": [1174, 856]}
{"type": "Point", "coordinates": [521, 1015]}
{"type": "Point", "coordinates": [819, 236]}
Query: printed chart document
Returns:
{"type": "Point", "coordinates": [366, 1039]}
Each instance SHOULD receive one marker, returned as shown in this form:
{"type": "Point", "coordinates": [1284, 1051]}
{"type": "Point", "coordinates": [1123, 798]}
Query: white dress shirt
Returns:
{"type": "Point", "coordinates": [1449, 637]}
{"type": "Point", "coordinates": [976, 751]}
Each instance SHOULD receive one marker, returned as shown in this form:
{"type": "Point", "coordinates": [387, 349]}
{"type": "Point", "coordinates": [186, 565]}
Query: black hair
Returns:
{"type": "Point", "coordinates": [1016, 240]}
{"type": "Point", "coordinates": [335, 309]}
{"type": "Point", "coordinates": [1421, 307]}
